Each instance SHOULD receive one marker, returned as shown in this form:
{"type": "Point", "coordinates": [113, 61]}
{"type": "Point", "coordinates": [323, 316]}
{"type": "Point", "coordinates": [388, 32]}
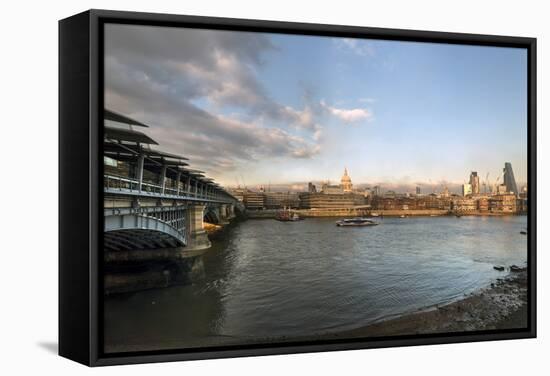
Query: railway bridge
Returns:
{"type": "Point", "coordinates": [153, 199]}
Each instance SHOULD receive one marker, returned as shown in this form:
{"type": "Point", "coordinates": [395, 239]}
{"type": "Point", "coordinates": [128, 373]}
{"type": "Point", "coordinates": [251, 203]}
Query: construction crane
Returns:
{"type": "Point", "coordinates": [486, 183]}
{"type": "Point", "coordinates": [496, 182]}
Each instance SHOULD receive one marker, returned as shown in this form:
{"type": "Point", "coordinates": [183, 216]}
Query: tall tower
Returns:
{"type": "Point", "coordinates": [466, 189]}
{"type": "Point", "coordinates": [474, 182]}
{"type": "Point", "coordinates": [509, 180]}
{"type": "Point", "coordinates": [345, 182]}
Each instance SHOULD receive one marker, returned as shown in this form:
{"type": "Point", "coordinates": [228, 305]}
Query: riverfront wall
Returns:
{"type": "Point", "coordinates": [365, 212]}
{"type": "Point", "coordinates": [351, 212]}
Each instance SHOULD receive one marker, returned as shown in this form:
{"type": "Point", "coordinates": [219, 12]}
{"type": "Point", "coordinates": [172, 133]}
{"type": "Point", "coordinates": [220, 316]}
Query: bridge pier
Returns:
{"type": "Point", "coordinates": [231, 211]}
{"type": "Point", "coordinates": [197, 238]}
{"type": "Point", "coordinates": [223, 214]}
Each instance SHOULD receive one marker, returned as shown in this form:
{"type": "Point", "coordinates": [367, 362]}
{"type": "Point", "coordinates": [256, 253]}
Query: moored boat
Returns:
{"type": "Point", "coordinates": [287, 216]}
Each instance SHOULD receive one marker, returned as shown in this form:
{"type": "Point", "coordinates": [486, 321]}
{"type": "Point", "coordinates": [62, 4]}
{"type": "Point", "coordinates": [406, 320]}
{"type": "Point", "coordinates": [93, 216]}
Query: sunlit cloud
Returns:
{"type": "Point", "coordinates": [348, 115]}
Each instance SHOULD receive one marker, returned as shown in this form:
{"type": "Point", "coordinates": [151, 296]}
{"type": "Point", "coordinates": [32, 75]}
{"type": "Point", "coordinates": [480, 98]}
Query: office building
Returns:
{"type": "Point", "coordinates": [466, 189]}
{"type": "Point", "coordinates": [509, 179]}
{"type": "Point", "coordinates": [474, 182]}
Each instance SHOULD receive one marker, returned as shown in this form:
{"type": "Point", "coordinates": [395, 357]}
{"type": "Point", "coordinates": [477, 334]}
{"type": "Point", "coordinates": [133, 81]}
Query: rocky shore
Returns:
{"type": "Point", "coordinates": [503, 305]}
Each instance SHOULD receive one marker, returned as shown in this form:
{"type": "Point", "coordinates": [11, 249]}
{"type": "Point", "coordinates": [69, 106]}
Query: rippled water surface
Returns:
{"type": "Point", "coordinates": [276, 280]}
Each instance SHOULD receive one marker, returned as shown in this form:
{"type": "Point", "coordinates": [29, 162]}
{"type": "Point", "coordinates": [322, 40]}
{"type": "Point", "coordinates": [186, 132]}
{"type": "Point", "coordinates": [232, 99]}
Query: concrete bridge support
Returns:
{"type": "Point", "coordinates": [224, 214]}
{"type": "Point", "coordinates": [197, 238]}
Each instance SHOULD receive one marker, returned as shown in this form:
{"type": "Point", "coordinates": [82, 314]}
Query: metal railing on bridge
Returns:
{"type": "Point", "coordinates": [123, 185]}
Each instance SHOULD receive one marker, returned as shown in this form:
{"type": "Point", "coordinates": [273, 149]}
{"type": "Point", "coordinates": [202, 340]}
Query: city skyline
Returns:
{"type": "Point", "coordinates": [253, 109]}
{"type": "Point", "coordinates": [384, 186]}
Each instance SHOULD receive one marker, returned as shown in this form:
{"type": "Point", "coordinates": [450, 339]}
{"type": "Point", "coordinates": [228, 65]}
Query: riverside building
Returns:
{"type": "Point", "coordinates": [332, 196]}
{"type": "Point", "coordinates": [277, 200]}
{"type": "Point", "coordinates": [254, 200]}
{"type": "Point", "coordinates": [503, 203]}
{"type": "Point", "coordinates": [464, 204]}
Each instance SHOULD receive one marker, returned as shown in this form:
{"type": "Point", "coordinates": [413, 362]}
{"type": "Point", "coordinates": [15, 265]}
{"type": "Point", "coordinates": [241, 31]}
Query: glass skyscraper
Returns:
{"type": "Point", "coordinates": [509, 180]}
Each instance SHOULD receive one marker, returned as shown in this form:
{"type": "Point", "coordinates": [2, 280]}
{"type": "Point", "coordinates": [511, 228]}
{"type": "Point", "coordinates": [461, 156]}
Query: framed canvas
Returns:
{"type": "Point", "coordinates": [235, 187]}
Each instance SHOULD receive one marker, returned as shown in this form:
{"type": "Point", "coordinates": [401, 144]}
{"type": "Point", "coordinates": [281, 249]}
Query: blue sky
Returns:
{"type": "Point", "coordinates": [290, 109]}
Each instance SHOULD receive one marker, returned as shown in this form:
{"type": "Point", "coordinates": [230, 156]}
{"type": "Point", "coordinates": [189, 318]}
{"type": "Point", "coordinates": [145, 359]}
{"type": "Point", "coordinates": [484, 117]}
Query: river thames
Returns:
{"type": "Point", "coordinates": [264, 280]}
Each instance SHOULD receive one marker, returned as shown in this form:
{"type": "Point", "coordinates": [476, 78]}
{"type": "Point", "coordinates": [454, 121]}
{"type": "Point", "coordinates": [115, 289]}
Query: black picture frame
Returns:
{"type": "Point", "coordinates": [80, 184]}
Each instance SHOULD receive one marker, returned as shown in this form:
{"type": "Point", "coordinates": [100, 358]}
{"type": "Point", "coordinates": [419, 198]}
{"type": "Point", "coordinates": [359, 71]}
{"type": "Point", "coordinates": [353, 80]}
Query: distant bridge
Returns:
{"type": "Point", "coordinates": [152, 199]}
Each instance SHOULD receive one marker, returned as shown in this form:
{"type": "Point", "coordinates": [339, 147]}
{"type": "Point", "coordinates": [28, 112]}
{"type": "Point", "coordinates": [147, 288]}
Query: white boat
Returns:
{"type": "Point", "coordinates": [356, 222]}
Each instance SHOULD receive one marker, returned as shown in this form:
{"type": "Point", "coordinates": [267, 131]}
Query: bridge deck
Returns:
{"type": "Point", "coordinates": [118, 185]}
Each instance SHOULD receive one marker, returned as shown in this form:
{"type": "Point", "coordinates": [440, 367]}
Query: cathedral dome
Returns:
{"type": "Point", "coordinates": [346, 182]}
{"type": "Point", "coordinates": [346, 177]}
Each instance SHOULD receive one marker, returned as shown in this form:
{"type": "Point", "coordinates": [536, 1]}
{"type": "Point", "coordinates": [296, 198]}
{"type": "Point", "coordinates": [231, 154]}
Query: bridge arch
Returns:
{"type": "Point", "coordinates": [211, 215]}
{"type": "Point", "coordinates": [135, 231]}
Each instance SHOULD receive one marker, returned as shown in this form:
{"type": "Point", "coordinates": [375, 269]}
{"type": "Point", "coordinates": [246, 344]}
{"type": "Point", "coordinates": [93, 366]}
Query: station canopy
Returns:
{"type": "Point", "coordinates": [114, 116]}
{"type": "Point", "coordinates": [127, 135]}
{"type": "Point", "coordinates": [125, 144]}
{"type": "Point", "coordinates": [124, 152]}
{"type": "Point", "coordinates": [193, 172]}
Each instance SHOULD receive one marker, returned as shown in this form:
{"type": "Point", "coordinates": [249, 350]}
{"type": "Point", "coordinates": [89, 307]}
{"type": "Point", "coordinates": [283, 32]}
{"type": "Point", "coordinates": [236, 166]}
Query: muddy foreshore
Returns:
{"type": "Point", "coordinates": [502, 305]}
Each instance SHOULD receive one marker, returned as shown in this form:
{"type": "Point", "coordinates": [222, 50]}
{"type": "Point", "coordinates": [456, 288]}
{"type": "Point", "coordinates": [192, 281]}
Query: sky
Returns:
{"type": "Point", "coordinates": [274, 109]}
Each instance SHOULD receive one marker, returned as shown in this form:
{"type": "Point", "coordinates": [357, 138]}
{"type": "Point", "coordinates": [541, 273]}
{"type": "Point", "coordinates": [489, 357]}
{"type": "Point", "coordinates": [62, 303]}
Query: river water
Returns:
{"type": "Point", "coordinates": [266, 280]}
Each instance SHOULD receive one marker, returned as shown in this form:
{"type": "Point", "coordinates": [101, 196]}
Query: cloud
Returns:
{"type": "Point", "coordinates": [352, 115]}
{"type": "Point", "coordinates": [318, 134]}
{"type": "Point", "coordinates": [348, 115]}
{"type": "Point", "coordinates": [213, 141]}
{"type": "Point", "coordinates": [306, 152]}
{"type": "Point", "coordinates": [358, 46]}
{"type": "Point", "coordinates": [220, 66]}
{"type": "Point", "coordinates": [159, 74]}
{"type": "Point", "coordinates": [200, 90]}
